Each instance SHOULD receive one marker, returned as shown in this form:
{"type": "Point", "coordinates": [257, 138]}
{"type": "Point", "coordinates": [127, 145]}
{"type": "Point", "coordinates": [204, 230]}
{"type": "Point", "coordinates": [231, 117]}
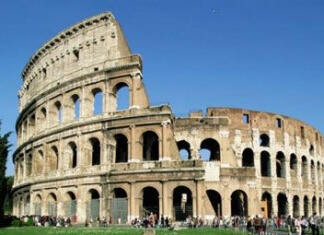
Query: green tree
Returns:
{"type": "Point", "coordinates": [4, 151]}
{"type": "Point", "coordinates": [8, 198]}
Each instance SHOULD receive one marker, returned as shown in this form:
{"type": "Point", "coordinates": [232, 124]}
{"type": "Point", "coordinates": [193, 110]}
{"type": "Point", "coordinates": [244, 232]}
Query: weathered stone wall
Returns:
{"type": "Point", "coordinates": [72, 156]}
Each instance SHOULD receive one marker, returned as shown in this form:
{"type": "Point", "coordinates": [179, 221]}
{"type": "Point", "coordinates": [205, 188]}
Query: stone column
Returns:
{"type": "Point", "coordinates": [198, 198]}
{"type": "Point", "coordinates": [164, 153]}
{"type": "Point", "coordinates": [134, 146]}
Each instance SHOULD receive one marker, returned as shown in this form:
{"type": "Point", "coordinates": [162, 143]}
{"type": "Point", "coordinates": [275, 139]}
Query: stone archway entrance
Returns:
{"type": "Point", "coordinates": [182, 203]}
{"type": "Point", "coordinates": [119, 206]}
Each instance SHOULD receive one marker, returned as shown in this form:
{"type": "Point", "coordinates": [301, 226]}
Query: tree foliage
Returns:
{"type": "Point", "coordinates": [4, 151]}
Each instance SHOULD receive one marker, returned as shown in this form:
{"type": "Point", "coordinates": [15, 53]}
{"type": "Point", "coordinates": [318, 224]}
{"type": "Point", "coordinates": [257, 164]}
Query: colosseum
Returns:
{"type": "Point", "coordinates": [80, 155]}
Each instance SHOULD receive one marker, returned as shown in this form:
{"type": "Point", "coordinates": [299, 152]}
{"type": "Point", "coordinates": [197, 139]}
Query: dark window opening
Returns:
{"type": "Point", "coordinates": [278, 123]}
{"type": "Point", "coordinates": [150, 146]}
{"type": "Point", "coordinates": [121, 148]}
{"type": "Point", "coordinates": [314, 205]}
{"type": "Point", "coordinates": [182, 203]}
{"type": "Point", "coordinates": [282, 205]}
{"type": "Point", "coordinates": [150, 201]}
{"type": "Point", "coordinates": [293, 162]}
{"type": "Point", "coordinates": [44, 113]}
{"type": "Point", "coordinates": [313, 170]}
{"type": "Point", "coordinates": [280, 165]}
{"type": "Point", "coordinates": [239, 203]}
{"type": "Point", "coordinates": [311, 150]}
{"type": "Point", "coordinates": [296, 211]}
{"type": "Point", "coordinates": [74, 154]}
{"type": "Point", "coordinates": [302, 132]}
{"type": "Point", "coordinates": [248, 158]}
{"type": "Point", "coordinates": [265, 164]}
{"type": "Point", "coordinates": [53, 159]}
{"type": "Point", "coordinates": [76, 54]}
{"type": "Point", "coordinates": [184, 149]}
{"type": "Point", "coordinates": [44, 72]}
{"type": "Point", "coordinates": [216, 201]}
{"type": "Point", "coordinates": [210, 150]}
{"type": "Point", "coordinates": [246, 118]}
{"type": "Point", "coordinates": [304, 172]}
{"type": "Point", "coordinates": [95, 151]}
{"type": "Point", "coordinates": [120, 193]}
{"type": "Point", "coordinates": [264, 140]}
{"type": "Point", "coordinates": [306, 207]}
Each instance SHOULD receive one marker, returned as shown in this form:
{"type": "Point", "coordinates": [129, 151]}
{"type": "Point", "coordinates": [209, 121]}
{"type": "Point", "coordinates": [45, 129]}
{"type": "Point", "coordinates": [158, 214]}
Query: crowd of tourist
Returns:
{"type": "Point", "coordinates": [254, 225]}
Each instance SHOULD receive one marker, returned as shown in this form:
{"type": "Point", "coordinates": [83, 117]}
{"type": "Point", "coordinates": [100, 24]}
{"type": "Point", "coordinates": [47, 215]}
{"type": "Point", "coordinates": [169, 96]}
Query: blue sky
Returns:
{"type": "Point", "coordinates": [260, 55]}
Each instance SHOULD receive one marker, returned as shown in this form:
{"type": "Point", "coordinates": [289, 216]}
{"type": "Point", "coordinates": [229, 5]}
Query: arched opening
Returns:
{"type": "Point", "coordinates": [215, 200]}
{"type": "Point", "coordinates": [182, 203]}
{"type": "Point", "coordinates": [313, 171]}
{"type": "Point", "coordinates": [76, 106]}
{"type": "Point", "coordinates": [122, 96]}
{"type": "Point", "coordinates": [306, 206]}
{"type": "Point", "coordinates": [304, 171]}
{"type": "Point", "coordinates": [210, 150]}
{"type": "Point", "coordinates": [32, 124]}
{"type": "Point", "coordinates": [72, 155]}
{"type": "Point", "coordinates": [184, 149]}
{"type": "Point", "coordinates": [311, 150]}
{"type": "Point", "coordinates": [264, 140]}
{"type": "Point", "coordinates": [248, 158]}
{"type": "Point", "coordinates": [282, 204]}
{"type": "Point", "coordinates": [97, 101]}
{"type": "Point", "coordinates": [150, 201]}
{"type": "Point", "coordinates": [119, 206]}
{"type": "Point", "coordinates": [70, 206]}
{"type": "Point", "coordinates": [121, 148]}
{"type": "Point", "coordinates": [314, 205]}
{"type": "Point", "coordinates": [41, 119]}
{"type": "Point", "coordinates": [267, 204]}
{"type": "Point", "coordinates": [27, 205]}
{"type": "Point", "coordinates": [29, 165]}
{"type": "Point", "coordinates": [95, 151]}
{"type": "Point", "coordinates": [52, 205]}
{"type": "Point", "coordinates": [239, 203]}
{"type": "Point", "coordinates": [58, 112]}
{"type": "Point", "coordinates": [53, 159]}
{"type": "Point", "coordinates": [296, 211]}
{"type": "Point", "coordinates": [293, 162]}
{"type": "Point", "coordinates": [265, 164]}
{"type": "Point", "coordinates": [150, 146]}
{"type": "Point", "coordinates": [39, 163]}
{"type": "Point", "coordinates": [320, 205]}
{"type": "Point", "coordinates": [280, 165]}
{"type": "Point", "coordinates": [38, 205]}
{"type": "Point", "coordinates": [93, 206]}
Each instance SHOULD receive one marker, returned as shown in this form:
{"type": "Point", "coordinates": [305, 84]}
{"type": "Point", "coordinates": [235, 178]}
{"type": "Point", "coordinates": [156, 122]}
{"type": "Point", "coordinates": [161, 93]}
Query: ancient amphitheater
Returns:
{"type": "Point", "coordinates": [80, 156]}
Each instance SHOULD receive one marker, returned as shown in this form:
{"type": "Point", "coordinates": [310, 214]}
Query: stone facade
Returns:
{"type": "Point", "coordinates": [79, 155]}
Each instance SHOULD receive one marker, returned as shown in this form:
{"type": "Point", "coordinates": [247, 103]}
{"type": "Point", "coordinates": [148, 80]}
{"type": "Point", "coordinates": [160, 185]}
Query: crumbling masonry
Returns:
{"type": "Point", "coordinates": [80, 156]}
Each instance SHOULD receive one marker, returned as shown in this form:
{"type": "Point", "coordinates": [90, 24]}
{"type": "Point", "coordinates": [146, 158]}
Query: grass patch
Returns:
{"type": "Point", "coordinates": [110, 231]}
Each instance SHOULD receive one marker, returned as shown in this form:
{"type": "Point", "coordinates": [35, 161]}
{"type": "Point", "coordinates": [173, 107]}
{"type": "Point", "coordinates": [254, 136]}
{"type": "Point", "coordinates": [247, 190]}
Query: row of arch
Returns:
{"type": "Point", "coordinates": [182, 203]}
{"type": "Point", "coordinates": [40, 163]}
{"type": "Point", "coordinates": [73, 108]}
{"type": "Point", "coordinates": [248, 159]}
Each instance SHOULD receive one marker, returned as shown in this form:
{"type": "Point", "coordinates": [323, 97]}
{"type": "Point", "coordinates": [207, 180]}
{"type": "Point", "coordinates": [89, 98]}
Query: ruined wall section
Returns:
{"type": "Point", "coordinates": [93, 44]}
{"type": "Point", "coordinates": [284, 132]}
